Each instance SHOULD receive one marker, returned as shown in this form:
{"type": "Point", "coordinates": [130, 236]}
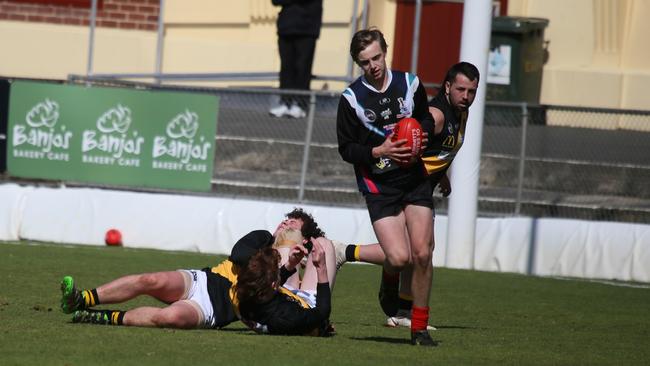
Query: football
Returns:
{"type": "Point", "coordinates": [409, 129]}
{"type": "Point", "coordinates": [113, 238]}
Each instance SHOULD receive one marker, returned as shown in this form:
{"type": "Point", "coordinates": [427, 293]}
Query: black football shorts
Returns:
{"type": "Point", "coordinates": [390, 203]}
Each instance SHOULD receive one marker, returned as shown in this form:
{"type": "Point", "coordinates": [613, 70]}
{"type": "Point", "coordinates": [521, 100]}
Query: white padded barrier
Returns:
{"type": "Point", "coordinates": [12, 198]}
{"type": "Point", "coordinates": [592, 249]}
{"type": "Point", "coordinates": [159, 221]}
{"type": "Point", "coordinates": [547, 247]}
{"type": "Point", "coordinates": [502, 244]}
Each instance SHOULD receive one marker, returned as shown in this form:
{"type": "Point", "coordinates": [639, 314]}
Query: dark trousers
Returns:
{"type": "Point", "coordinates": [296, 59]}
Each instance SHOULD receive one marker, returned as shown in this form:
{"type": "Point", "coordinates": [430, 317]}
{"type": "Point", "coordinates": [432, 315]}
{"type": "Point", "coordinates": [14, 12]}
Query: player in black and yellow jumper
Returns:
{"type": "Point", "coordinates": [196, 298]}
{"type": "Point", "coordinates": [450, 110]}
{"type": "Point", "coordinates": [276, 310]}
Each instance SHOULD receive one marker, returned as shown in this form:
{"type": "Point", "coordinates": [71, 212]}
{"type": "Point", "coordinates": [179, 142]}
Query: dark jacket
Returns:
{"type": "Point", "coordinates": [299, 17]}
{"type": "Point", "coordinates": [286, 314]}
{"type": "Point", "coordinates": [222, 277]}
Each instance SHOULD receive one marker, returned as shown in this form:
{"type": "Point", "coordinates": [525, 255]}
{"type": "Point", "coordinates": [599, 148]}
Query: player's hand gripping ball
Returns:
{"type": "Point", "coordinates": [113, 238]}
{"type": "Point", "coordinates": [409, 129]}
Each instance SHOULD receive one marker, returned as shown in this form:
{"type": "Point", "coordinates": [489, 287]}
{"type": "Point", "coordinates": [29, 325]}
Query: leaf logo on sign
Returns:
{"type": "Point", "coordinates": [180, 145]}
{"type": "Point", "coordinates": [117, 119]}
{"type": "Point", "coordinates": [183, 125]}
{"type": "Point", "coordinates": [45, 113]}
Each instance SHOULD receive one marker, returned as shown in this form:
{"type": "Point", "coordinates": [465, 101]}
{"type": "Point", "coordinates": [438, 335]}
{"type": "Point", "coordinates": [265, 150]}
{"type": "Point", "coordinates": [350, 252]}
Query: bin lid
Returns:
{"type": "Point", "coordinates": [518, 24]}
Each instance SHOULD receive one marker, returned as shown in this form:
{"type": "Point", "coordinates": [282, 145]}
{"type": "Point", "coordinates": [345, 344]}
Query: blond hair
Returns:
{"type": "Point", "coordinates": [287, 238]}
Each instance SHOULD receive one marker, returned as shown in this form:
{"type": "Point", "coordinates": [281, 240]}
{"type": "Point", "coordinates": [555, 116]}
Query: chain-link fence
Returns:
{"type": "Point", "coordinates": [260, 155]}
{"type": "Point", "coordinates": [543, 161]}
{"type": "Point", "coordinates": [562, 161]}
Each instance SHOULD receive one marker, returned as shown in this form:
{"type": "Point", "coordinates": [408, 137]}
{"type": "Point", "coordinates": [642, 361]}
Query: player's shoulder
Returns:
{"type": "Point", "coordinates": [439, 101]}
{"type": "Point", "coordinates": [354, 92]}
{"type": "Point", "coordinates": [409, 77]}
{"type": "Point", "coordinates": [437, 108]}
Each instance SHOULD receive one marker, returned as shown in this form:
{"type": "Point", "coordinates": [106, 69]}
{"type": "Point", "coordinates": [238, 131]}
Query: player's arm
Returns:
{"type": "Point", "coordinates": [445, 185]}
{"type": "Point", "coordinates": [285, 273]}
{"type": "Point", "coordinates": [299, 320]}
{"type": "Point", "coordinates": [323, 292]}
{"type": "Point", "coordinates": [348, 129]}
{"type": "Point", "coordinates": [421, 110]}
{"type": "Point", "coordinates": [296, 254]}
{"type": "Point", "coordinates": [347, 132]}
{"type": "Point", "coordinates": [393, 150]}
{"type": "Point", "coordinates": [292, 319]}
{"type": "Point", "coordinates": [438, 118]}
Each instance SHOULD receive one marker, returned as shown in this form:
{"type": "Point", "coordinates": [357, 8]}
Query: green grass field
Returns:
{"type": "Point", "coordinates": [482, 319]}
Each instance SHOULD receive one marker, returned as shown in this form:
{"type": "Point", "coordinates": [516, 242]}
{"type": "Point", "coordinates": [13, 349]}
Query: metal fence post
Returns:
{"type": "Point", "coordinates": [364, 15]}
{"type": "Point", "coordinates": [305, 155]}
{"type": "Point", "coordinates": [416, 37]}
{"type": "Point", "coordinates": [353, 30]}
{"type": "Point", "coordinates": [522, 157]}
{"type": "Point", "coordinates": [91, 37]}
{"type": "Point", "coordinates": [160, 40]}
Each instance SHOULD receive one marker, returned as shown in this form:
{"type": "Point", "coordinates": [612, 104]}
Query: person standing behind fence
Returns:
{"type": "Point", "coordinates": [298, 28]}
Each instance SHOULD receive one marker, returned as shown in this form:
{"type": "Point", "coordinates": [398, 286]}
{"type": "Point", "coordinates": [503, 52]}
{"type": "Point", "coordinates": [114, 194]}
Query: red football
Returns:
{"type": "Point", "coordinates": [113, 237]}
{"type": "Point", "coordinates": [409, 129]}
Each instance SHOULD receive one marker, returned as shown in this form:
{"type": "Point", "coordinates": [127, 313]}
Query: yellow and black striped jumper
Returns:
{"type": "Point", "coordinates": [442, 149]}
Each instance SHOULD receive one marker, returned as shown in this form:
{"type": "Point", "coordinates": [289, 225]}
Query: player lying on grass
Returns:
{"type": "Point", "coordinates": [270, 305]}
{"type": "Point", "coordinates": [195, 298]}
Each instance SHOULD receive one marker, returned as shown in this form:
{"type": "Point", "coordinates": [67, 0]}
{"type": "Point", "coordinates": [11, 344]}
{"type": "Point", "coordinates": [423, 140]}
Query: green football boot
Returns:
{"type": "Point", "coordinates": [71, 298]}
{"type": "Point", "coordinates": [92, 317]}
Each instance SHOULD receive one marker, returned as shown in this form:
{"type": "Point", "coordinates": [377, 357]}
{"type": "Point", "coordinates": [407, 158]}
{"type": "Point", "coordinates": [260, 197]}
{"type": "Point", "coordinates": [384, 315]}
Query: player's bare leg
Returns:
{"type": "Point", "coordinates": [419, 221]}
{"type": "Point", "coordinates": [167, 287]}
{"type": "Point", "coordinates": [310, 278]}
{"type": "Point", "coordinates": [177, 315]}
{"type": "Point", "coordinates": [372, 253]}
{"type": "Point", "coordinates": [164, 286]}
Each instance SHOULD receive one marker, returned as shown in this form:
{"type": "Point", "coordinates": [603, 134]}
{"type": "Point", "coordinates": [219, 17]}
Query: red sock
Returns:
{"type": "Point", "coordinates": [419, 318]}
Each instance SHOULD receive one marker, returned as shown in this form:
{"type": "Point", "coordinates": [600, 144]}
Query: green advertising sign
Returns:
{"type": "Point", "coordinates": [111, 135]}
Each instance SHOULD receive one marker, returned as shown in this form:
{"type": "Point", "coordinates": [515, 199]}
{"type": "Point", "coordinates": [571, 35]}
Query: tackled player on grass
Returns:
{"type": "Point", "coordinates": [195, 298]}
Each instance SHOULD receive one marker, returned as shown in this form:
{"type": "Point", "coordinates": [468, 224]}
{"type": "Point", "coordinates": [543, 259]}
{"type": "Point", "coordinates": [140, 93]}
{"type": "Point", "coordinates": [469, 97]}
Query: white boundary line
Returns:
{"type": "Point", "coordinates": [606, 282]}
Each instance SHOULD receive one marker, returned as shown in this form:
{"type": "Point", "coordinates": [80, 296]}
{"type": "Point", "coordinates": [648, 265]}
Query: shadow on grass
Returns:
{"type": "Point", "coordinates": [453, 327]}
{"type": "Point", "coordinates": [400, 340]}
{"type": "Point", "coordinates": [237, 330]}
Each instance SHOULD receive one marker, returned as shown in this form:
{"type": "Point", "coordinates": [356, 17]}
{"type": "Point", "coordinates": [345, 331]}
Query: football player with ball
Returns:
{"type": "Point", "coordinates": [450, 110]}
{"type": "Point", "coordinates": [397, 191]}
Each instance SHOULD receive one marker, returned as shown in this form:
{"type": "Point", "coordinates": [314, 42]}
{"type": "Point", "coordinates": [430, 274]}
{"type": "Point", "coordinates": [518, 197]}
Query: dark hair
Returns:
{"type": "Point", "coordinates": [363, 39]}
{"type": "Point", "coordinates": [464, 68]}
{"type": "Point", "coordinates": [310, 227]}
{"type": "Point", "coordinates": [255, 280]}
